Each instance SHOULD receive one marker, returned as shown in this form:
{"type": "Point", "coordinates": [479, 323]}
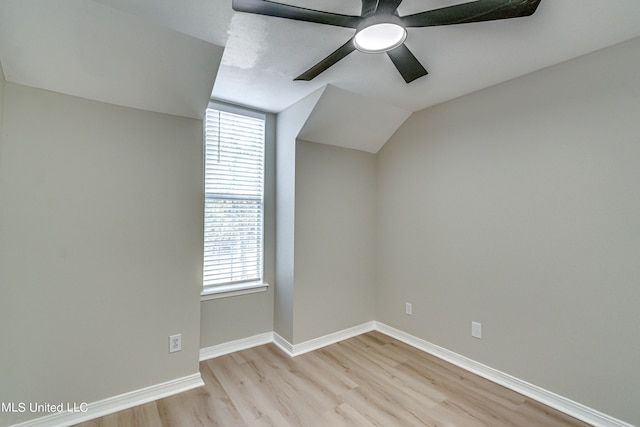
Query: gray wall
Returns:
{"type": "Point", "coordinates": [334, 239]}
{"type": "Point", "coordinates": [289, 123]}
{"type": "Point", "coordinates": [101, 248]}
{"type": "Point", "coordinates": [1, 105]}
{"type": "Point", "coordinates": [237, 317]}
{"type": "Point", "coordinates": [518, 207]}
{"type": "Point", "coordinates": [233, 318]}
{"type": "Point", "coordinates": [515, 206]}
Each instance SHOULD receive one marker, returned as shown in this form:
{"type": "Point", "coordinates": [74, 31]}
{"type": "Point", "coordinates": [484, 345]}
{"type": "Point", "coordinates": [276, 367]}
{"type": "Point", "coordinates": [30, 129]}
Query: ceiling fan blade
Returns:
{"type": "Point", "coordinates": [369, 7]}
{"type": "Point", "coordinates": [389, 6]}
{"type": "Point", "coordinates": [476, 11]}
{"type": "Point", "coordinates": [407, 64]}
{"type": "Point", "coordinates": [327, 62]}
{"type": "Point", "coordinates": [269, 8]}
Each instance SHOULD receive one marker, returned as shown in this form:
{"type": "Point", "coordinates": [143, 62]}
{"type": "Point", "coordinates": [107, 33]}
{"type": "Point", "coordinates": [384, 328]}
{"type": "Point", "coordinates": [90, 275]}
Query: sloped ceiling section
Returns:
{"type": "Point", "coordinates": [167, 56]}
{"type": "Point", "coordinates": [205, 20]}
{"type": "Point", "coordinates": [86, 49]}
{"type": "Point", "coordinates": [366, 125]}
{"type": "Point", "coordinates": [264, 54]}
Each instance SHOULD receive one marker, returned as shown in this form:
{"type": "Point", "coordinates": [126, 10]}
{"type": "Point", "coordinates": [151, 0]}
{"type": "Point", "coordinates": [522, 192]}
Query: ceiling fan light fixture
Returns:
{"type": "Point", "coordinates": [379, 38]}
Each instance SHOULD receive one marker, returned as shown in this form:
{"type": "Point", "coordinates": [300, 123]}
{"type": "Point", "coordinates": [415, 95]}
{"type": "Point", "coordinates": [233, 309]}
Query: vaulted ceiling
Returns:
{"type": "Point", "coordinates": [172, 55]}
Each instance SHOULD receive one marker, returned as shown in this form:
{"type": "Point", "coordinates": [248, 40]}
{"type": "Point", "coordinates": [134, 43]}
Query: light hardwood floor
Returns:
{"type": "Point", "coordinates": [369, 380]}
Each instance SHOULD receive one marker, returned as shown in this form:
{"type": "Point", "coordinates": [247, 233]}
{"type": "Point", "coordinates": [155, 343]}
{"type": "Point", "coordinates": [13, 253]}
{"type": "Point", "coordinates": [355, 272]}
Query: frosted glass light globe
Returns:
{"type": "Point", "coordinates": [378, 38]}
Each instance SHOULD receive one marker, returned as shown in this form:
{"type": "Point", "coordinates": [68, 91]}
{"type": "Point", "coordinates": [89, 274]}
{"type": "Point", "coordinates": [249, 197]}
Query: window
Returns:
{"type": "Point", "coordinates": [234, 201]}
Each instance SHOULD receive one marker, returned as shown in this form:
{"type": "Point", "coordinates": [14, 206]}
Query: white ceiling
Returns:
{"type": "Point", "coordinates": [365, 129]}
{"type": "Point", "coordinates": [266, 53]}
{"type": "Point", "coordinates": [163, 55]}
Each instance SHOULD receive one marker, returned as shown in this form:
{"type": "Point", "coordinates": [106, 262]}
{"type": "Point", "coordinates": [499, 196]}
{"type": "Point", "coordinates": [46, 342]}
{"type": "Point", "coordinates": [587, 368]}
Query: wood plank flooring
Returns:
{"type": "Point", "coordinates": [369, 380]}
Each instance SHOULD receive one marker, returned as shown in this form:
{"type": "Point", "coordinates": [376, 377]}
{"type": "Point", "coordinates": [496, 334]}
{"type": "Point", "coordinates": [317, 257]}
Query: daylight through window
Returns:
{"type": "Point", "coordinates": [234, 200]}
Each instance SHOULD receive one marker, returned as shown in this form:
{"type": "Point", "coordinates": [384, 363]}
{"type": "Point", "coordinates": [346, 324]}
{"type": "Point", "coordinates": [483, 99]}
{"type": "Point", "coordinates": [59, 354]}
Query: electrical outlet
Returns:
{"type": "Point", "coordinates": [408, 309]}
{"type": "Point", "coordinates": [175, 343]}
{"type": "Point", "coordinates": [476, 330]}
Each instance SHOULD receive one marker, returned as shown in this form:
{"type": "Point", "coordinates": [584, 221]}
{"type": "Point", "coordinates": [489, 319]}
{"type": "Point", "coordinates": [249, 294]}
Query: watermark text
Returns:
{"type": "Point", "coordinates": [43, 407]}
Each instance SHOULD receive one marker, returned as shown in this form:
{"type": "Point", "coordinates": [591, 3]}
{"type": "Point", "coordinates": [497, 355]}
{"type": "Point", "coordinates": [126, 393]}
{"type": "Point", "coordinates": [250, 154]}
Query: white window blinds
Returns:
{"type": "Point", "coordinates": [234, 203]}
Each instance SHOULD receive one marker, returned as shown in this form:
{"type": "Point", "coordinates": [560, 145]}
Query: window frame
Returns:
{"type": "Point", "coordinates": [233, 289]}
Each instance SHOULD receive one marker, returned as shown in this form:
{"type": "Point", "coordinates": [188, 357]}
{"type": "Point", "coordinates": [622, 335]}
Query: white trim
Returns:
{"type": "Point", "coordinates": [233, 346]}
{"type": "Point", "coordinates": [294, 350]}
{"type": "Point", "coordinates": [562, 404]}
{"type": "Point", "coordinates": [138, 397]}
{"type": "Point", "coordinates": [283, 344]}
{"type": "Point", "coordinates": [224, 291]}
{"type": "Point", "coordinates": [117, 403]}
{"type": "Point", "coordinates": [237, 109]}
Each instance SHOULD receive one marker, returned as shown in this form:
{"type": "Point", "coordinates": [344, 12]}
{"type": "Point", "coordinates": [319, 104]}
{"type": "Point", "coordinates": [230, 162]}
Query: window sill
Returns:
{"type": "Point", "coordinates": [225, 291]}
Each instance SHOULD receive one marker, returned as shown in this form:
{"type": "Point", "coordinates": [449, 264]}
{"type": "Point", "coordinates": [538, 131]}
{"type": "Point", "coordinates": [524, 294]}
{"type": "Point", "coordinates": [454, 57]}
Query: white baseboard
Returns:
{"type": "Point", "coordinates": [117, 403]}
{"type": "Point", "coordinates": [237, 345]}
{"type": "Point", "coordinates": [316, 343]}
{"type": "Point", "coordinates": [546, 397]}
{"type": "Point", "coordinates": [138, 397]}
{"type": "Point", "coordinates": [567, 406]}
{"type": "Point", "coordinates": [283, 344]}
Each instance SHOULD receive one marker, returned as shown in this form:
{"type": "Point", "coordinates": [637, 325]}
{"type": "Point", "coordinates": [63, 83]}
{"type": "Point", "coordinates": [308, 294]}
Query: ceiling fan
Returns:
{"type": "Point", "coordinates": [379, 28]}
